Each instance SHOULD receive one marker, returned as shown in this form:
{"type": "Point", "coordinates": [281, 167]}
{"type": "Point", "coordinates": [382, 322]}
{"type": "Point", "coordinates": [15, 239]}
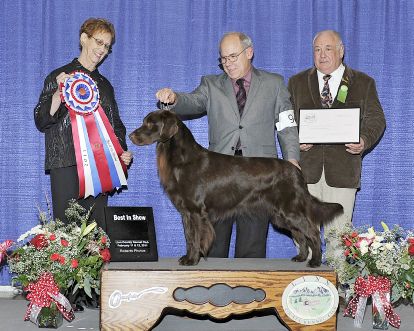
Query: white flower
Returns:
{"type": "Point", "coordinates": [378, 253]}
{"type": "Point", "coordinates": [378, 238]}
{"type": "Point", "coordinates": [389, 246]}
{"type": "Point", "coordinates": [363, 247]}
{"type": "Point", "coordinates": [35, 230]}
{"type": "Point", "coordinates": [371, 233]}
{"type": "Point", "coordinates": [375, 245]}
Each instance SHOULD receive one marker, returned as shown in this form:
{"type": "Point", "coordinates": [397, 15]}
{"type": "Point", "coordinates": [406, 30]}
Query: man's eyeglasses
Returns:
{"type": "Point", "coordinates": [100, 43]}
{"type": "Point", "coordinates": [231, 57]}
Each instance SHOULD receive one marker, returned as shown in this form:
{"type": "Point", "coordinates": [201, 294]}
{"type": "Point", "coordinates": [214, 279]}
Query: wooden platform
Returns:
{"type": "Point", "coordinates": [134, 295]}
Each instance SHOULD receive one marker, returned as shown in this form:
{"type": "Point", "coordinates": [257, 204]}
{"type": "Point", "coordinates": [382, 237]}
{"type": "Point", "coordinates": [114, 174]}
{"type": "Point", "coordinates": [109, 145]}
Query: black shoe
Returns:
{"type": "Point", "coordinates": [77, 308]}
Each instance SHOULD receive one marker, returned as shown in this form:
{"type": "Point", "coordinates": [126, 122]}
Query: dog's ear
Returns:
{"type": "Point", "coordinates": [169, 127]}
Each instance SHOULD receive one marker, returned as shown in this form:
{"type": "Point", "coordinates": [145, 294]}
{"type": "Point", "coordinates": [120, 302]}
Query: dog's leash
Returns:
{"type": "Point", "coordinates": [165, 106]}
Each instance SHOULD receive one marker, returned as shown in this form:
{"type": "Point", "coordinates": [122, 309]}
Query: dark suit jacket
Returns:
{"type": "Point", "coordinates": [268, 97]}
{"type": "Point", "coordinates": [342, 169]}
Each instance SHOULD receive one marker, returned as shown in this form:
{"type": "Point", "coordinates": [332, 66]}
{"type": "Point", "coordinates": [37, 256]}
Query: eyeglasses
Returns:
{"type": "Point", "coordinates": [231, 57]}
{"type": "Point", "coordinates": [100, 43]}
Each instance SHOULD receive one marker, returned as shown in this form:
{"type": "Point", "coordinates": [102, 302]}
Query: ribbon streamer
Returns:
{"type": "Point", "coordinates": [42, 294]}
{"type": "Point", "coordinates": [3, 249]}
{"type": "Point", "coordinates": [378, 287]}
{"type": "Point", "coordinates": [97, 148]}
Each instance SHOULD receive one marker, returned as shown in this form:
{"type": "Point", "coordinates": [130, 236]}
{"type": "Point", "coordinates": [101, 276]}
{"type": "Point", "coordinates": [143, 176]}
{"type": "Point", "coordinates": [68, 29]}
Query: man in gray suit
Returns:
{"type": "Point", "coordinates": [243, 106]}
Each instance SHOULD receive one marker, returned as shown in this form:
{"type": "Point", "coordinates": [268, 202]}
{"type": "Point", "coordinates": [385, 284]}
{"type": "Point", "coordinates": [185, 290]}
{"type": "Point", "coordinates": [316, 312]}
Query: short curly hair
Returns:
{"type": "Point", "coordinates": [93, 25]}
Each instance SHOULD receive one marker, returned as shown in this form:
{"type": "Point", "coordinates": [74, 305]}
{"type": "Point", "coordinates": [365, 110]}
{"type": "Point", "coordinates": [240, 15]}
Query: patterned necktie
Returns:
{"type": "Point", "coordinates": [241, 95]}
{"type": "Point", "coordinates": [326, 97]}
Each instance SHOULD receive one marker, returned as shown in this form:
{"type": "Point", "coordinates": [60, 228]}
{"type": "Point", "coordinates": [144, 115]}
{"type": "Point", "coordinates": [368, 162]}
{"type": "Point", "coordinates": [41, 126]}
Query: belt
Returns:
{"type": "Point", "coordinates": [238, 152]}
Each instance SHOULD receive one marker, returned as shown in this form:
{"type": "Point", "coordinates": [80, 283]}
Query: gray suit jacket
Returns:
{"type": "Point", "coordinates": [267, 98]}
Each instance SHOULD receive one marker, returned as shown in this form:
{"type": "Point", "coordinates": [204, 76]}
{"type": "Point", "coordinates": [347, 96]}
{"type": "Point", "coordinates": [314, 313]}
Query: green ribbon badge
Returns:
{"type": "Point", "coordinates": [342, 93]}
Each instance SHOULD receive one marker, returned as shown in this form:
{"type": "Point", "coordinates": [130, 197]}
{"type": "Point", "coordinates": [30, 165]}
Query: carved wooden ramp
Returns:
{"type": "Point", "coordinates": [134, 295]}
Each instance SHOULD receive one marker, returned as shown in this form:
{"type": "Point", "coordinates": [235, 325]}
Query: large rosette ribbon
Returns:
{"type": "Point", "coordinates": [379, 288]}
{"type": "Point", "coordinates": [42, 294]}
{"type": "Point", "coordinates": [97, 148]}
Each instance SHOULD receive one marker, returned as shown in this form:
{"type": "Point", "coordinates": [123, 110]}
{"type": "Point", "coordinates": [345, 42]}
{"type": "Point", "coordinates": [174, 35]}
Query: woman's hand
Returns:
{"type": "Point", "coordinates": [60, 79]}
{"type": "Point", "coordinates": [126, 157]}
{"type": "Point", "coordinates": [56, 101]}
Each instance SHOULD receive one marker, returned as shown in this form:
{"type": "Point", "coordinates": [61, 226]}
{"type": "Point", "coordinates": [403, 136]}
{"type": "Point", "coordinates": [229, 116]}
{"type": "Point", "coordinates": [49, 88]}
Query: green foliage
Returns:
{"type": "Point", "coordinates": [72, 252]}
{"type": "Point", "coordinates": [363, 252]}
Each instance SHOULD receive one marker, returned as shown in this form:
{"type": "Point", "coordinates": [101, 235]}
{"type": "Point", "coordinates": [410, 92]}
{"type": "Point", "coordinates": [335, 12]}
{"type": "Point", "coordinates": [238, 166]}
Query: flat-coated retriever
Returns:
{"type": "Point", "coordinates": [206, 187]}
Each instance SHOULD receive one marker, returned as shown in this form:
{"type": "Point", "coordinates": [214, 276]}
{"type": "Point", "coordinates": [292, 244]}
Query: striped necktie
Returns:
{"type": "Point", "coordinates": [241, 95]}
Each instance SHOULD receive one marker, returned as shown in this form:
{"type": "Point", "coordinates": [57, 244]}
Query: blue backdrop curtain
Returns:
{"type": "Point", "coordinates": [163, 43]}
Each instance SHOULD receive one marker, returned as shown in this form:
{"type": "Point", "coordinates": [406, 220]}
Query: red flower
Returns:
{"type": "Point", "coordinates": [103, 240]}
{"type": "Point", "coordinates": [39, 241]}
{"type": "Point", "coordinates": [52, 237]}
{"type": "Point", "coordinates": [360, 240]}
{"type": "Point", "coordinates": [54, 257]}
{"type": "Point", "coordinates": [347, 242]}
{"type": "Point", "coordinates": [411, 249]}
{"type": "Point", "coordinates": [411, 240]}
{"type": "Point", "coordinates": [74, 263]}
{"type": "Point", "coordinates": [354, 234]}
{"type": "Point", "coordinates": [57, 257]}
{"type": "Point", "coordinates": [106, 255]}
{"type": "Point", "coordinates": [347, 252]}
{"type": "Point", "coordinates": [64, 242]}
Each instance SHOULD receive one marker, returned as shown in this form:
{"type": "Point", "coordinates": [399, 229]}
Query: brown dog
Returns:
{"type": "Point", "coordinates": [206, 187]}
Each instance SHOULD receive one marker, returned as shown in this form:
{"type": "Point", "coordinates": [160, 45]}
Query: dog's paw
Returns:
{"type": "Point", "coordinates": [314, 263]}
{"type": "Point", "coordinates": [299, 258]}
{"type": "Point", "coordinates": [185, 260]}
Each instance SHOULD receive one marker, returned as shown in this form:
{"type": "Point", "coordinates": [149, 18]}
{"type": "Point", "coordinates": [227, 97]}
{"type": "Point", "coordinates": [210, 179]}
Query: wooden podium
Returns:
{"type": "Point", "coordinates": [135, 295]}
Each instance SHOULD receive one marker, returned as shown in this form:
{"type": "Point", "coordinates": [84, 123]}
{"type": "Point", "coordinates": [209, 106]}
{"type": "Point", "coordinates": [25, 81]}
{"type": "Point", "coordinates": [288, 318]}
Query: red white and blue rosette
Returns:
{"type": "Point", "coordinates": [97, 148]}
{"type": "Point", "coordinates": [80, 93]}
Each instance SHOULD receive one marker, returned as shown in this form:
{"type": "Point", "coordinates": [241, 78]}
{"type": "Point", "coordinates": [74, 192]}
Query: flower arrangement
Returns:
{"type": "Point", "coordinates": [63, 259]}
{"type": "Point", "coordinates": [364, 252]}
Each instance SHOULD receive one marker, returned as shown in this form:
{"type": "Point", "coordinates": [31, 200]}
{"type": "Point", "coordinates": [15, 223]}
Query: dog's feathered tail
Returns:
{"type": "Point", "coordinates": [323, 212]}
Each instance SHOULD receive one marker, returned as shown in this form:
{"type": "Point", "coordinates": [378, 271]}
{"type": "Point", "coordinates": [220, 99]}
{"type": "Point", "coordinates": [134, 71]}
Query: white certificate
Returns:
{"type": "Point", "coordinates": [329, 126]}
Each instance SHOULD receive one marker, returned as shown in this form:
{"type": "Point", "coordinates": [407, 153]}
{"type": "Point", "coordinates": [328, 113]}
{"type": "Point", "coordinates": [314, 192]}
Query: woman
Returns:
{"type": "Point", "coordinates": [52, 117]}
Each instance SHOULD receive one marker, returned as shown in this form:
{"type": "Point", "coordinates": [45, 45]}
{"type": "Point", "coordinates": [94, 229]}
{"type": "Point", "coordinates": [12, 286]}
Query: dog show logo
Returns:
{"type": "Point", "coordinates": [310, 300]}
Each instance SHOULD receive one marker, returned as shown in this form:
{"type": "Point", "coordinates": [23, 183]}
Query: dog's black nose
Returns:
{"type": "Point", "coordinates": [133, 138]}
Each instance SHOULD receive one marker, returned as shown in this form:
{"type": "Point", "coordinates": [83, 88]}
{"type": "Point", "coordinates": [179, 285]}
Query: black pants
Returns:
{"type": "Point", "coordinates": [251, 236]}
{"type": "Point", "coordinates": [65, 186]}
